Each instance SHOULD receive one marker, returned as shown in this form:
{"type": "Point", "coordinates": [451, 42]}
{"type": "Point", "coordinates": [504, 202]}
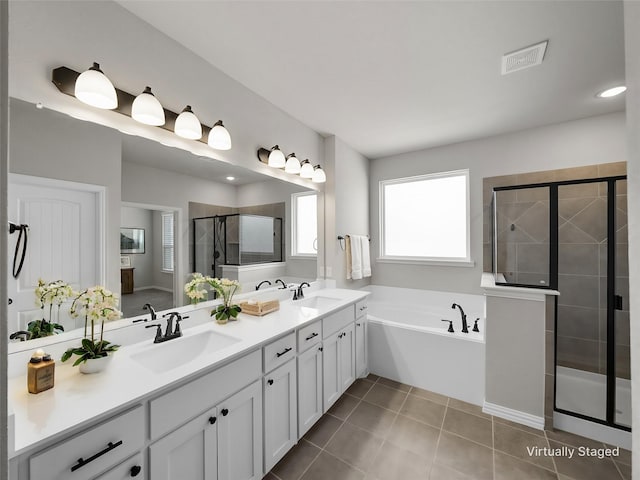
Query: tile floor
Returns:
{"type": "Point", "coordinates": [381, 429]}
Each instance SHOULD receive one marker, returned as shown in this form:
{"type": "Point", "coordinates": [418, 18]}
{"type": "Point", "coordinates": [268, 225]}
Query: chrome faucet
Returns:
{"type": "Point", "coordinates": [284, 285]}
{"type": "Point", "coordinates": [170, 333]}
{"type": "Point", "coordinates": [465, 328]}
{"type": "Point", "coordinates": [262, 283]}
{"type": "Point", "coordinates": [298, 293]}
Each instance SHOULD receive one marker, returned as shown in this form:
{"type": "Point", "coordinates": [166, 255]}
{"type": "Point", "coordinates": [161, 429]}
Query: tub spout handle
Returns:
{"type": "Point", "coordinates": [450, 329]}
{"type": "Point", "coordinates": [475, 325]}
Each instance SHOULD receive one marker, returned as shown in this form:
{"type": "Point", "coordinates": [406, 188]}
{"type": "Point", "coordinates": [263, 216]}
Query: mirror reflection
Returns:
{"type": "Point", "coordinates": [127, 213]}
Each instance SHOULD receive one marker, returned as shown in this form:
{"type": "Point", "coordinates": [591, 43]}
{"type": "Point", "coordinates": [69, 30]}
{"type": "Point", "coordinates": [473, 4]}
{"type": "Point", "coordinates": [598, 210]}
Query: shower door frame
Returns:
{"type": "Point", "coordinates": [553, 281]}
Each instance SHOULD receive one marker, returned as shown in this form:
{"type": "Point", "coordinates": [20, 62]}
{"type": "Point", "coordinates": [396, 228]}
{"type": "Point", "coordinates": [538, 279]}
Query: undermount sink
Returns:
{"type": "Point", "coordinates": [162, 357]}
{"type": "Point", "coordinates": [318, 303]}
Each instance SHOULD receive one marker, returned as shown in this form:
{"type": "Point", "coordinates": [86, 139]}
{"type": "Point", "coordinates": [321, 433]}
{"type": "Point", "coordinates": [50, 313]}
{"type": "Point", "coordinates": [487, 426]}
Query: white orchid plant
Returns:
{"type": "Point", "coordinates": [225, 288]}
{"type": "Point", "coordinates": [49, 294]}
{"type": "Point", "coordinates": [96, 304]}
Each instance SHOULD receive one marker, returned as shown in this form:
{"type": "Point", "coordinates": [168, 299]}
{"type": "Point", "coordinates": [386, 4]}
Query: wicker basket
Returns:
{"type": "Point", "coordinates": [260, 308]}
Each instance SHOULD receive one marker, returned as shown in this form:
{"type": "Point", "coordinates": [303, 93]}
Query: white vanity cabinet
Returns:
{"type": "Point", "coordinates": [280, 413]}
{"type": "Point", "coordinates": [131, 468]}
{"type": "Point", "coordinates": [361, 326]}
{"type": "Point", "coordinates": [223, 443]}
{"type": "Point", "coordinates": [338, 364]}
{"type": "Point", "coordinates": [309, 376]}
{"type": "Point", "coordinates": [309, 388]}
{"type": "Point", "coordinates": [88, 454]}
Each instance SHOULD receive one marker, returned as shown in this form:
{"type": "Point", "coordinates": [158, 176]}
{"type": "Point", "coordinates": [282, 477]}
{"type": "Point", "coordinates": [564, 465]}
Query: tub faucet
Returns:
{"type": "Point", "coordinates": [284, 285]}
{"type": "Point", "coordinates": [465, 328]}
{"type": "Point", "coordinates": [262, 283]}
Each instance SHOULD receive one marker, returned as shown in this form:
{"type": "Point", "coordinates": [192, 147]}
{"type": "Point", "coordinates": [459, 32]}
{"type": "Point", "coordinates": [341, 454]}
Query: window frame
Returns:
{"type": "Point", "coordinates": [409, 259]}
{"type": "Point", "coordinates": [294, 225]}
{"type": "Point", "coordinates": [163, 266]}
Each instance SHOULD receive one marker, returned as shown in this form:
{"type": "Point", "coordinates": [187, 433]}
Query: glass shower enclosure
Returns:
{"type": "Point", "coordinates": [571, 236]}
{"type": "Point", "coordinates": [235, 239]}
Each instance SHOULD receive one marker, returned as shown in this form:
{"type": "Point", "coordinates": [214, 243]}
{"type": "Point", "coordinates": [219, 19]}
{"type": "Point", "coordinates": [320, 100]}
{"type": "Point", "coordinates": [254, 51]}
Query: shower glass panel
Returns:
{"type": "Point", "coordinates": [521, 236]}
{"type": "Point", "coordinates": [203, 247]}
{"type": "Point", "coordinates": [581, 316]}
{"type": "Point", "coordinates": [622, 338]}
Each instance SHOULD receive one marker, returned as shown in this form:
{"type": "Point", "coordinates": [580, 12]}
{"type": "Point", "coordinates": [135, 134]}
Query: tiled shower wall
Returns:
{"type": "Point", "coordinates": [523, 233]}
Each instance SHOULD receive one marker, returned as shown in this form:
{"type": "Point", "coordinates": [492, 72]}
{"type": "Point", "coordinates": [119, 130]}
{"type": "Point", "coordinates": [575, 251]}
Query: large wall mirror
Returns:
{"type": "Point", "coordinates": [104, 208]}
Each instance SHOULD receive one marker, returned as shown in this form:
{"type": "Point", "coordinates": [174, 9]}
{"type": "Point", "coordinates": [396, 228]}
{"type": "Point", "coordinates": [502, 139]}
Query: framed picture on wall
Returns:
{"type": "Point", "coordinates": [125, 261]}
{"type": "Point", "coordinates": [131, 240]}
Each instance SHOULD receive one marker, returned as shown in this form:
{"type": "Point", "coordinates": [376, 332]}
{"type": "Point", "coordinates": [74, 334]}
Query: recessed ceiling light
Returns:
{"type": "Point", "coordinates": [230, 178]}
{"type": "Point", "coordinates": [612, 92]}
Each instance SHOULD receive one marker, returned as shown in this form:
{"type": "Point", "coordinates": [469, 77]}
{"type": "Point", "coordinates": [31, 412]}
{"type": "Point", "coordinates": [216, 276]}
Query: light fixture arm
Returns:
{"type": "Point", "coordinates": [64, 79]}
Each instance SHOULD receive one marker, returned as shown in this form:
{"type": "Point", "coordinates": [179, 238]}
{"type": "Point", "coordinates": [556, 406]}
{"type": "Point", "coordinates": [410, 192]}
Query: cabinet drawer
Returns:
{"type": "Point", "coordinates": [178, 406]}
{"type": "Point", "coordinates": [309, 335]}
{"type": "Point", "coordinates": [361, 308]}
{"type": "Point", "coordinates": [99, 448]}
{"type": "Point", "coordinates": [338, 320]}
{"type": "Point", "coordinates": [130, 468]}
{"type": "Point", "coordinates": [280, 351]}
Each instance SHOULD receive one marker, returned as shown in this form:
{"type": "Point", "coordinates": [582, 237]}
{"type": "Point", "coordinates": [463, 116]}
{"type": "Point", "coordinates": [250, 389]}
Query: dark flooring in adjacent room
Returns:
{"type": "Point", "coordinates": [381, 429]}
{"type": "Point", "coordinates": [131, 304]}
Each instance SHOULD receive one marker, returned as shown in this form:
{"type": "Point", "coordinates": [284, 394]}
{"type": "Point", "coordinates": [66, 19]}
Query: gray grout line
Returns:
{"type": "Point", "coordinates": [493, 446]}
{"type": "Point", "coordinates": [555, 467]}
{"type": "Point", "coordinates": [435, 454]}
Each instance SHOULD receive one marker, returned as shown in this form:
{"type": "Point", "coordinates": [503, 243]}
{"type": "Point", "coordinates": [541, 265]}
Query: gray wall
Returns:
{"type": "Point", "coordinates": [346, 206]}
{"type": "Point", "coordinates": [161, 279]}
{"type": "Point", "coordinates": [44, 143]}
{"type": "Point", "coordinates": [632, 46]}
{"type": "Point", "coordinates": [132, 217]}
{"type": "Point", "coordinates": [588, 141]}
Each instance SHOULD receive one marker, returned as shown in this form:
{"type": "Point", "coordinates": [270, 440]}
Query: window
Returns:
{"type": "Point", "coordinates": [425, 218]}
{"type": "Point", "coordinates": [167, 242]}
{"type": "Point", "coordinates": [304, 224]}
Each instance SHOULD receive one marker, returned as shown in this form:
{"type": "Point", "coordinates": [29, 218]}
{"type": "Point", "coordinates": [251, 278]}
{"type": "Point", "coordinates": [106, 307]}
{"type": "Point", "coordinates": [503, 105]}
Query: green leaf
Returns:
{"type": "Point", "coordinates": [67, 355]}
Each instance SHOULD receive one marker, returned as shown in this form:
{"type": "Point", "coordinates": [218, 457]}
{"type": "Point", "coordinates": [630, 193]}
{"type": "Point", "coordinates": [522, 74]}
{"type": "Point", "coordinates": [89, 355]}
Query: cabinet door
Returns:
{"type": "Point", "coordinates": [361, 347]}
{"type": "Point", "coordinates": [189, 452]}
{"type": "Point", "coordinates": [280, 413]}
{"type": "Point", "coordinates": [347, 360]}
{"type": "Point", "coordinates": [240, 435]}
{"type": "Point", "coordinates": [309, 389]}
{"type": "Point", "coordinates": [330, 371]}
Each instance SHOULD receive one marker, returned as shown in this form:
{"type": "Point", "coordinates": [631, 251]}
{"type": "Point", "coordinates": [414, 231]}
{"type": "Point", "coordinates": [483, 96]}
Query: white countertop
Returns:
{"type": "Point", "coordinates": [77, 399]}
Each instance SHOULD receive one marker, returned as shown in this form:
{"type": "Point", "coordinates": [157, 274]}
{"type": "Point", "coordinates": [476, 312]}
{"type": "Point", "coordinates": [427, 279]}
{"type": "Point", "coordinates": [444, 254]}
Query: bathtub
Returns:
{"type": "Point", "coordinates": [408, 342]}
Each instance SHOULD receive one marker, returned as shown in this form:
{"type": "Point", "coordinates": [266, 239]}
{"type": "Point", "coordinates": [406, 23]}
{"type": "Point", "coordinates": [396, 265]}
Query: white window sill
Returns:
{"type": "Point", "coordinates": [166, 271]}
{"type": "Point", "coordinates": [427, 262]}
{"type": "Point", "coordinates": [303, 257]}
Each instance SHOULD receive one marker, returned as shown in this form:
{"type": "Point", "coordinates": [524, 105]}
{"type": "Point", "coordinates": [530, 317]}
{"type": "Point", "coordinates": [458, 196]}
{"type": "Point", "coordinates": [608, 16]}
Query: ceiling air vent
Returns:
{"type": "Point", "coordinates": [524, 58]}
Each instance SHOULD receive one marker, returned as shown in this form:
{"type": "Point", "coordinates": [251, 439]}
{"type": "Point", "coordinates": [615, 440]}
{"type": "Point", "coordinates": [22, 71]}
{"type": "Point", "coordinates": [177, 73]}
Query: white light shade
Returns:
{"type": "Point", "coordinates": [292, 165]}
{"type": "Point", "coordinates": [276, 158]}
{"type": "Point", "coordinates": [219, 137]}
{"type": "Point", "coordinates": [147, 109]}
{"type": "Point", "coordinates": [188, 125]}
{"type": "Point", "coordinates": [95, 89]}
{"type": "Point", "coordinates": [306, 170]}
{"type": "Point", "coordinates": [612, 92]}
{"type": "Point", "coordinates": [318, 175]}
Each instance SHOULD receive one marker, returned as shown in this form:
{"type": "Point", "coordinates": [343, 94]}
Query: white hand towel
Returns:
{"type": "Point", "coordinates": [356, 257]}
{"type": "Point", "coordinates": [347, 248]}
{"type": "Point", "coordinates": [366, 258]}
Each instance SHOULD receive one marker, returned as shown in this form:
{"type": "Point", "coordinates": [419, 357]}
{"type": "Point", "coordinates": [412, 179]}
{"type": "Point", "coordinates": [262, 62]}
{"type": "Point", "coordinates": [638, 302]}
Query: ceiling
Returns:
{"type": "Point", "coordinates": [389, 77]}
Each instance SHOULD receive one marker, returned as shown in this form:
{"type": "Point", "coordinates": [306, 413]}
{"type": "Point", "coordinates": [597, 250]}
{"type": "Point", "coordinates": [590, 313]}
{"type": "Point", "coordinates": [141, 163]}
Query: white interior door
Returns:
{"type": "Point", "coordinates": [64, 242]}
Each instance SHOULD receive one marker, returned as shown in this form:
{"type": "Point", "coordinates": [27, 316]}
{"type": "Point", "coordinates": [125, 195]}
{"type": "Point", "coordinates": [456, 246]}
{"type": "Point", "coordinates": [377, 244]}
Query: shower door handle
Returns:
{"type": "Point", "coordinates": [618, 302]}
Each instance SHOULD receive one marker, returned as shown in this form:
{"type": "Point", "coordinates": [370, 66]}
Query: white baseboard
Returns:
{"type": "Point", "coordinates": [517, 416]}
{"type": "Point", "coordinates": [153, 287]}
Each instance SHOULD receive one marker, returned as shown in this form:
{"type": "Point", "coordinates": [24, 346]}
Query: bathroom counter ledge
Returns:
{"type": "Point", "coordinates": [77, 399]}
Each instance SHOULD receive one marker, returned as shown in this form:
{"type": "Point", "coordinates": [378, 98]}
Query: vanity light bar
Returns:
{"type": "Point", "coordinates": [65, 78]}
{"type": "Point", "coordinates": [263, 157]}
